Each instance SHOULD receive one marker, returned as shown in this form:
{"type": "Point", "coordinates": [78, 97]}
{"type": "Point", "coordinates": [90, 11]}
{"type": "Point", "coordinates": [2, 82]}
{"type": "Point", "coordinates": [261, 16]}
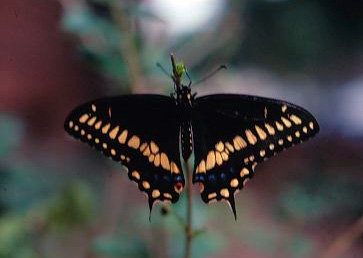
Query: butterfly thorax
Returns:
{"type": "Point", "coordinates": [184, 102]}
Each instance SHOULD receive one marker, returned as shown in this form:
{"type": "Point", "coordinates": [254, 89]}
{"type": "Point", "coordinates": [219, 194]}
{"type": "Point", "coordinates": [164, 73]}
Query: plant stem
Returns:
{"type": "Point", "coordinates": [188, 228]}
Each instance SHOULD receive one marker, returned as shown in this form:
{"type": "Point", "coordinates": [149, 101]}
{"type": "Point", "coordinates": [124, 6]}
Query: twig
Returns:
{"type": "Point", "coordinates": [343, 242]}
{"type": "Point", "coordinates": [188, 228]}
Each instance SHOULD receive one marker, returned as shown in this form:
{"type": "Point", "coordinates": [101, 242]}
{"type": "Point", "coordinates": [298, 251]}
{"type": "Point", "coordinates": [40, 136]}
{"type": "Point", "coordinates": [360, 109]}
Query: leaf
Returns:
{"type": "Point", "coordinates": [15, 238]}
{"type": "Point", "coordinates": [180, 69]}
{"type": "Point", "coordinates": [71, 208]}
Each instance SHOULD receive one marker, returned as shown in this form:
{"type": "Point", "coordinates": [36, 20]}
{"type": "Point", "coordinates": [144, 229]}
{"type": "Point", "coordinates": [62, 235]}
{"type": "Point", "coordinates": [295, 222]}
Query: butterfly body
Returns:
{"type": "Point", "coordinates": [184, 101]}
{"type": "Point", "coordinates": [230, 134]}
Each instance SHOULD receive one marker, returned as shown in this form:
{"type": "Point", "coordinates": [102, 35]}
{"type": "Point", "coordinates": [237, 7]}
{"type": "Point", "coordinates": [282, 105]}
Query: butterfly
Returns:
{"type": "Point", "coordinates": [229, 134]}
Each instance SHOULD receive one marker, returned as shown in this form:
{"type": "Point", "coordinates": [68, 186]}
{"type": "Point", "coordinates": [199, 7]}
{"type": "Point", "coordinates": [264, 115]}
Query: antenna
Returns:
{"type": "Point", "coordinates": [163, 70]}
{"type": "Point", "coordinates": [211, 74]}
{"type": "Point", "coordinates": [190, 80]}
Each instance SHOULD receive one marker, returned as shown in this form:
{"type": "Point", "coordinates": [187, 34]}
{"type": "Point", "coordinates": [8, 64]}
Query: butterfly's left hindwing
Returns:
{"type": "Point", "coordinates": [233, 133]}
{"type": "Point", "coordinates": [139, 131]}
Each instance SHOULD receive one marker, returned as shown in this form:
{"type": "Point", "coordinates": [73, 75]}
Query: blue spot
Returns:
{"type": "Point", "coordinates": [223, 176]}
{"type": "Point", "coordinates": [200, 177]}
{"type": "Point", "coordinates": [232, 170]}
{"type": "Point", "coordinates": [212, 178]}
{"type": "Point", "coordinates": [178, 178]}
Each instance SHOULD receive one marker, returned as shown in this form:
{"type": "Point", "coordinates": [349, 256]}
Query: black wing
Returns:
{"type": "Point", "coordinates": [141, 132]}
{"type": "Point", "coordinates": [233, 133]}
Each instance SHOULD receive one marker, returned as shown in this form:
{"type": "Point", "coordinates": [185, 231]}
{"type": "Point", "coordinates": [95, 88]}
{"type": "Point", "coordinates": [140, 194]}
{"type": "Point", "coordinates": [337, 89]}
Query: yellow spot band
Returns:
{"type": "Point", "coordinates": [92, 121]}
{"type": "Point", "coordinates": [105, 128]}
{"type": "Point", "coordinates": [234, 182]}
{"type": "Point", "coordinates": [155, 193]}
{"type": "Point", "coordinates": [202, 168]}
{"type": "Point", "coordinates": [219, 146]}
{"type": "Point", "coordinates": [154, 147]}
{"type": "Point", "coordinates": [146, 185]}
{"type": "Point", "coordinates": [286, 122]}
{"type": "Point", "coordinates": [251, 137]}
{"type": "Point", "coordinates": [211, 160]}
{"type": "Point", "coordinates": [260, 133]}
{"type": "Point", "coordinates": [83, 118]}
{"type": "Point", "coordinates": [270, 129]}
{"type": "Point", "coordinates": [134, 142]}
{"type": "Point", "coordinates": [136, 175]}
{"type": "Point", "coordinates": [123, 136]}
{"type": "Point", "coordinates": [295, 119]}
{"type": "Point", "coordinates": [98, 125]}
{"type": "Point", "coordinates": [244, 172]}
{"type": "Point", "coordinates": [212, 195]}
{"type": "Point", "coordinates": [224, 192]}
{"type": "Point", "coordinates": [113, 132]}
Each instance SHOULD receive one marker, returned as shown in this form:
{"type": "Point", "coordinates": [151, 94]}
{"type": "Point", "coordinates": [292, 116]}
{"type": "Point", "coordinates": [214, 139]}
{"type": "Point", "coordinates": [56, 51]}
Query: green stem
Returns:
{"type": "Point", "coordinates": [188, 228]}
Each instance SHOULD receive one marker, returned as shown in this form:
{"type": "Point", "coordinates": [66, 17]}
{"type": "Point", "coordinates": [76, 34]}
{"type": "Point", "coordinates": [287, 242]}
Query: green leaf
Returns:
{"type": "Point", "coordinates": [15, 238]}
{"type": "Point", "coordinates": [72, 208]}
{"type": "Point", "coordinates": [180, 68]}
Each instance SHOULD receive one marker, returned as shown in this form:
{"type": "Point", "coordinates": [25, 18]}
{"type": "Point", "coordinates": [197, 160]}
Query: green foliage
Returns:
{"type": "Point", "coordinates": [72, 207]}
{"type": "Point", "coordinates": [180, 68]}
{"type": "Point", "coordinates": [100, 40]}
{"type": "Point", "coordinates": [15, 238]}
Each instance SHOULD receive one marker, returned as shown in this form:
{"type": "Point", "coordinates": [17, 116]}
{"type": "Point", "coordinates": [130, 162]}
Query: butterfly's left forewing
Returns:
{"type": "Point", "coordinates": [233, 133]}
{"type": "Point", "coordinates": [139, 131]}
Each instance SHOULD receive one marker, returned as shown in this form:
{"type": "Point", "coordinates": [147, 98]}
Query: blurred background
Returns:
{"type": "Point", "coordinates": [60, 198]}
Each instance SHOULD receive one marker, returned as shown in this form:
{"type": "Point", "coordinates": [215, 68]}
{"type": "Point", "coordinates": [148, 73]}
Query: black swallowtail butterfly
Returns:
{"type": "Point", "coordinates": [230, 135]}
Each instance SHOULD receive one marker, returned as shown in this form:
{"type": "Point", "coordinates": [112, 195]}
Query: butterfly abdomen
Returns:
{"type": "Point", "coordinates": [184, 102]}
{"type": "Point", "coordinates": [186, 139]}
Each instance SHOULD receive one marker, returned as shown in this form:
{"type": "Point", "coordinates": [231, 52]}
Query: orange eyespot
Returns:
{"type": "Point", "coordinates": [178, 187]}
